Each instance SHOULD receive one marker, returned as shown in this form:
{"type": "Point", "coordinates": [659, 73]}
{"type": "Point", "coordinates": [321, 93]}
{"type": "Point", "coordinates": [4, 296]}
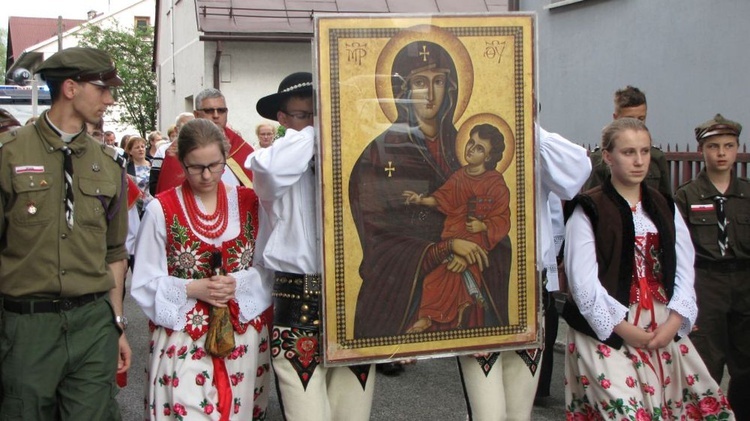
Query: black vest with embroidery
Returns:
{"type": "Point", "coordinates": [614, 234]}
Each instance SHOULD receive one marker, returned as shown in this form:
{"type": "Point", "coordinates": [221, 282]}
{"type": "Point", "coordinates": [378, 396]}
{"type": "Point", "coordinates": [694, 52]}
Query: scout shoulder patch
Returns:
{"type": "Point", "coordinates": [8, 136]}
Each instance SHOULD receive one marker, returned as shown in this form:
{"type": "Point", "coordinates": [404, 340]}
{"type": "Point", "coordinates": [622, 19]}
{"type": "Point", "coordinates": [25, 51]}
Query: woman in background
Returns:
{"type": "Point", "coordinates": [152, 145]}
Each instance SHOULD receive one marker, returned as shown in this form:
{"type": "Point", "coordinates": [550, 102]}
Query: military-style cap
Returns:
{"type": "Point", "coordinates": [716, 126]}
{"type": "Point", "coordinates": [82, 65]}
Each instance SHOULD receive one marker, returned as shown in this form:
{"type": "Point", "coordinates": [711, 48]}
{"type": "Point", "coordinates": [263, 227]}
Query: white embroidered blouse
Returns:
{"type": "Point", "coordinates": [602, 311]}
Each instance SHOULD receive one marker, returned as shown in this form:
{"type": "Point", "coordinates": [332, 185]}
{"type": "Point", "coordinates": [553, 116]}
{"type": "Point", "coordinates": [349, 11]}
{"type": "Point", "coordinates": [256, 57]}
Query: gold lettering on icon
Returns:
{"type": "Point", "coordinates": [494, 49]}
{"type": "Point", "coordinates": [356, 51]}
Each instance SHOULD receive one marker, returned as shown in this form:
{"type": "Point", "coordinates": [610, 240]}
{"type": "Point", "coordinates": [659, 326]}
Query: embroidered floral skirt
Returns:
{"type": "Point", "coordinates": [182, 379]}
{"type": "Point", "coordinates": [603, 383]}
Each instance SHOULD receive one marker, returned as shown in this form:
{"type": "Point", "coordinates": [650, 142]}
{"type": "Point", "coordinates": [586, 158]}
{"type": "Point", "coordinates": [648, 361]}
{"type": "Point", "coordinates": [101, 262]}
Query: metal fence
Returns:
{"type": "Point", "coordinates": [684, 166]}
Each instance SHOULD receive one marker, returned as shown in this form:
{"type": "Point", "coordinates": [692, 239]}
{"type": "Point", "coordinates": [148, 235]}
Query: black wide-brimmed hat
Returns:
{"type": "Point", "coordinates": [295, 84]}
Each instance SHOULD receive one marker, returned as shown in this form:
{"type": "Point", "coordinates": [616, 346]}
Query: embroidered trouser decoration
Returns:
{"type": "Point", "coordinates": [531, 357]}
{"type": "Point", "coordinates": [487, 363]}
{"type": "Point", "coordinates": [300, 348]}
{"type": "Point", "coordinates": [362, 372]}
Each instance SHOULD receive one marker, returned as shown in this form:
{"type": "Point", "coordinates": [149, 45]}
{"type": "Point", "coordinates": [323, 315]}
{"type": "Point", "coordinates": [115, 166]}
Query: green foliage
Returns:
{"type": "Point", "coordinates": [132, 51]}
{"type": "Point", "coordinates": [3, 50]}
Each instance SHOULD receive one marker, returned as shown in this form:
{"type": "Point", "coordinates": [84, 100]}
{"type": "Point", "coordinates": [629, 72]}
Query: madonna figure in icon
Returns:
{"type": "Point", "coordinates": [402, 244]}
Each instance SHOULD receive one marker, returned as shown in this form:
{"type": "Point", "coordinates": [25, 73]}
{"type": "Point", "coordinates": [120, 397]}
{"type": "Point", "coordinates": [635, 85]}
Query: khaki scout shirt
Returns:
{"type": "Point", "coordinates": [39, 255]}
{"type": "Point", "coordinates": [695, 201]}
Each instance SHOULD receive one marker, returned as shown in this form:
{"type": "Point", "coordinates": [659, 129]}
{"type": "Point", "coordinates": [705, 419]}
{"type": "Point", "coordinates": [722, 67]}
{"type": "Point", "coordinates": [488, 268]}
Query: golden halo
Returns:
{"type": "Point", "coordinates": [439, 36]}
{"type": "Point", "coordinates": [462, 138]}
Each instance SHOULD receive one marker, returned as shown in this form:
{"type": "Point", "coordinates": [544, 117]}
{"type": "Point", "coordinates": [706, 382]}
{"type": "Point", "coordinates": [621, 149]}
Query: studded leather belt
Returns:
{"type": "Point", "coordinates": [296, 300]}
{"type": "Point", "coordinates": [49, 306]}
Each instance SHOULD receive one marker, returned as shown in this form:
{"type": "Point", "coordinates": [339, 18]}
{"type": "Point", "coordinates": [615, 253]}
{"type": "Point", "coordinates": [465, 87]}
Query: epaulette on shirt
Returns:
{"type": "Point", "coordinates": [685, 184]}
{"type": "Point", "coordinates": [745, 181]}
{"type": "Point", "coordinates": [8, 136]}
{"type": "Point", "coordinates": [116, 156]}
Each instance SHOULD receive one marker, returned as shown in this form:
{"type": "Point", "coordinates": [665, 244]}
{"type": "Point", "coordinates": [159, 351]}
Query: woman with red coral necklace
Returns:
{"type": "Point", "coordinates": [176, 282]}
{"type": "Point", "coordinates": [632, 304]}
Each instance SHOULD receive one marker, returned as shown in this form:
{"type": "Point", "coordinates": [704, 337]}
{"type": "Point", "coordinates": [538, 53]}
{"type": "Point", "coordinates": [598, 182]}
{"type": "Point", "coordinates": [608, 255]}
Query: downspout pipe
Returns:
{"type": "Point", "coordinates": [217, 65]}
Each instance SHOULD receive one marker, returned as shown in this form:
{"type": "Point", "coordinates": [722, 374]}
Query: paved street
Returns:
{"type": "Point", "coordinates": [428, 390]}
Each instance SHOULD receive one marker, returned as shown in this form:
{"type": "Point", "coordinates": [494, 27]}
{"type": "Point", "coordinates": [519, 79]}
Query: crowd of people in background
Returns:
{"type": "Point", "coordinates": [220, 238]}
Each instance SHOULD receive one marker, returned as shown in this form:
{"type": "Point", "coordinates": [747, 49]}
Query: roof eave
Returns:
{"type": "Point", "coordinates": [257, 37]}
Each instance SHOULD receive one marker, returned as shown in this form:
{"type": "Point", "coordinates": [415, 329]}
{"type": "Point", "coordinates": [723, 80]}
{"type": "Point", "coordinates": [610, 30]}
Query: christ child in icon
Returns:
{"type": "Point", "coordinates": [476, 203]}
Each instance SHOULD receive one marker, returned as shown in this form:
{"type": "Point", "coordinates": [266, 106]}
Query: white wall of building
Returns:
{"type": "Point", "coordinates": [179, 58]}
{"type": "Point", "coordinates": [249, 69]}
{"type": "Point", "coordinates": [688, 56]}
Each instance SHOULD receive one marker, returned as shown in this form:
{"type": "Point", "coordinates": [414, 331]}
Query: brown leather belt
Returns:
{"type": "Point", "coordinates": [49, 306]}
{"type": "Point", "coordinates": [296, 300]}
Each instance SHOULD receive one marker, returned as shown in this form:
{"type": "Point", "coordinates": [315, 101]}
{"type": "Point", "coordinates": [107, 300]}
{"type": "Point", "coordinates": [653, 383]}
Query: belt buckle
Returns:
{"type": "Point", "coordinates": [65, 304]}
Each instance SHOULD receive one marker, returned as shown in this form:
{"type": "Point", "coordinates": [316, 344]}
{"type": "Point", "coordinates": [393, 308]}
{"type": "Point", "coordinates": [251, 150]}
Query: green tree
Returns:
{"type": "Point", "coordinates": [3, 50]}
{"type": "Point", "coordinates": [132, 51]}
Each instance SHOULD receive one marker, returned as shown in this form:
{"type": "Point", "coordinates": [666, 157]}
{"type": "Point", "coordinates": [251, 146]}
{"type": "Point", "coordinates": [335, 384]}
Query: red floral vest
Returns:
{"type": "Point", "coordinates": [188, 257]}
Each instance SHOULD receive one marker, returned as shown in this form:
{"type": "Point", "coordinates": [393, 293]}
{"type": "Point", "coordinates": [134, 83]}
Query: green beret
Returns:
{"type": "Point", "coordinates": [716, 126]}
{"type": "Point", "coordinates": [82, 65]}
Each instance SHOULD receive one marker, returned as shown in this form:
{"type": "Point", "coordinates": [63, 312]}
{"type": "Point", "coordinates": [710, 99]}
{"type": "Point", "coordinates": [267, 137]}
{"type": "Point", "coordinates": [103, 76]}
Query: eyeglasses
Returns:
{"type": "Point", "coordinates": [299, 115]}
{"type": "Point", "coordinates": [214, 110]}
{"type": "Point", "coordinates": [215, 168]}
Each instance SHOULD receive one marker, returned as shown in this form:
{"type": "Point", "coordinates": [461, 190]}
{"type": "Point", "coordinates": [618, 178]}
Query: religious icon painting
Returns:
{"type": "Point", "coordinates": [426, 162]}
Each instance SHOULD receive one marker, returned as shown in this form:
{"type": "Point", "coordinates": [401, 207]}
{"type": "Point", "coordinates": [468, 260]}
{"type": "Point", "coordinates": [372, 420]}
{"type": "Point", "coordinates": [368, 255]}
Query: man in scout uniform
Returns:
{"type": "Point", "coordinates": [63, 222]}
{"type": "Point", "coordinates": [211, 104]}
{"type": "Point", "coordinates": [631, 102]}
{"type": "Point", "coordinates": [287, 248]}
{"type": "Point", "coordinates": [716, 208]}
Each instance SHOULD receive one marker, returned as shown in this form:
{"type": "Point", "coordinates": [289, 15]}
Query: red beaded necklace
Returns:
{"type": "Point", "coordinates": [200, 221]}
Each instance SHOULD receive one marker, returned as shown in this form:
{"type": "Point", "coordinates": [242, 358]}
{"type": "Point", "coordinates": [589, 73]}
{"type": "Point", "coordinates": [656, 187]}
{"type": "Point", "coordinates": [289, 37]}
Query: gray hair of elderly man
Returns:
{"type": "Point", "coordinates": [206, 94]}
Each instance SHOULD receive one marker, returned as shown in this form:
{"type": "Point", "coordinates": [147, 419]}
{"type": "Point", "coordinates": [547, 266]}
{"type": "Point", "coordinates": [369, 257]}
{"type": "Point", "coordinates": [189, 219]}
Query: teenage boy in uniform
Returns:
{"type": "Point", "coordinates": [716, 208]}
{"type": "Point", "coordinates": [63, 222]}
{"type": "Point", "coordinates": [287, 248]}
